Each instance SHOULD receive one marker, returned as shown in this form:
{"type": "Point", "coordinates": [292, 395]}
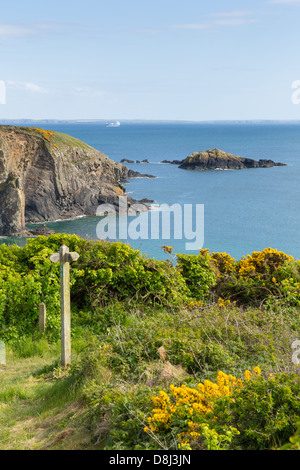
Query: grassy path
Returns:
{"type": "Point", "coordinates": [36, 413]}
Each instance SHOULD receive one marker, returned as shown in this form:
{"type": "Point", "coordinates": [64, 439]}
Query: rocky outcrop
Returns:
{"type": "Point", "coordinates": [45, 176]}
{"type": "Point", "coordinates": [12, 205]}
{"type": "Point", "coordinates": [127, 173]}
{"type": "Point", "coordinates": [172, 162]}
{"type": "Point", "coordinates": [125, 160]}
{"type": "Point", "coordinates": [217, 159]}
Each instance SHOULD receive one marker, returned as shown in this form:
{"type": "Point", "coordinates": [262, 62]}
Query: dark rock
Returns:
{"type": "Point", "coordinates": [173, 162]}
{"type": "Point", "coordinates": [41, 230]}
{"type": "Point", "coordinates": [146, 201]}
{"type": "Point", "coordinates": [217, 159]}
{"type": "Point", "coordinates": [269, 164]}
{"type": "Point", "coordinates": [127, 174]}
{"type": "Point", "coordinates": [125, 160]}
{"type": "Point", "coordinates": [12, 206]}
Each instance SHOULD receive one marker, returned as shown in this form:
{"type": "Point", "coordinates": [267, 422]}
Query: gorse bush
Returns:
{"type": "Point", "coordinates": [188, 414]}
{"type": "Point", "coordinates": [116, 271]}
{"type": "Point", "coordinates": [253, 413]}
{"type": "Point", "coordinates": [294, 441]}
{"type": "Point", "coordinates": [265, 411]}
{"type": "Point", "coordinates": [198, 273]}
{"type": "Point", "coordinates": [268, 277]}
{"type": "Point", "coordinates": [107, 273]}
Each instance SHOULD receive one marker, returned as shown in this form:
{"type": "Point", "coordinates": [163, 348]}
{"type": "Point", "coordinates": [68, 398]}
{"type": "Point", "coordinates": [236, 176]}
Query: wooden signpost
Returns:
{"type": "Point", "coordinates": [42, 317]}
{"type": "Point", "coordinates": [2, 354]}
{"type": "Point", "coordinates": [65, 258]}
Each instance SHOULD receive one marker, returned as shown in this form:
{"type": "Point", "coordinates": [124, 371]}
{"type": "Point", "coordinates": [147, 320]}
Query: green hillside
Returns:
{"type": "Point", "coordinates": [192, 353]}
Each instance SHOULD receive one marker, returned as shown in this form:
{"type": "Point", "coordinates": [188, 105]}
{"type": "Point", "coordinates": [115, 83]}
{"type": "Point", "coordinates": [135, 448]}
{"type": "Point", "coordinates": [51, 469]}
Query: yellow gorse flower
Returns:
{"type": "Point", "coordinates": [167, 249]}
{"type": "Point", "coordinates": [48, 135]}
{"type": "Point", "coordinates": [223, 303]}
{"type": "Point", "coordinates": [257, 262]}
{"type": "Point", "coordinates": [197, 402]}
{"type": "Point", "coordinates": [223, 262]}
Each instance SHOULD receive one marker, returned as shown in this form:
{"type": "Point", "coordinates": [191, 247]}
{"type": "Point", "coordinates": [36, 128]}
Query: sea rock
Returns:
{"type": "Point", "coordinates": [218, 159]}
{"type": "Point", "coordinates": [127, 173]}
{"type": "Point", "coordinates": [125, 160]}
{"type": "Point", "coordinates": [45, 176]}
{"type": "Point", "coordinates": [145, 200]}
{"type": "Point", "coordinates": [172, 162]}
{"type": "Point", "coordinates": [34, 232]}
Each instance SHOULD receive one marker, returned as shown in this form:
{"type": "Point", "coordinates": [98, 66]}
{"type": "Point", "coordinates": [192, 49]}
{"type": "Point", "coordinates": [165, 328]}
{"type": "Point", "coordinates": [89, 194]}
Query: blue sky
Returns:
{"type": "Point", "coordinates": [159, 60]}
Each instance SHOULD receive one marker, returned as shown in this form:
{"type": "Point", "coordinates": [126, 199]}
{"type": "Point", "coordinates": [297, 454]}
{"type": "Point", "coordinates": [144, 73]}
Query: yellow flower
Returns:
{"type": "Point", "coordinates": [247, 375]}
{"type": "Point", "coordinates": [257, 371]}
{"type": "Point", "coordinates": [187, 404]}
{"type": "Point", "coordinates": [167, 249]}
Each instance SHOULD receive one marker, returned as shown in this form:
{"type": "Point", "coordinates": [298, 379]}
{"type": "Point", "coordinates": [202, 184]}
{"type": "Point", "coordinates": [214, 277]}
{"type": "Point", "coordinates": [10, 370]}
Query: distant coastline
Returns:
{"type": "Point", "coordinates": [149, 121]}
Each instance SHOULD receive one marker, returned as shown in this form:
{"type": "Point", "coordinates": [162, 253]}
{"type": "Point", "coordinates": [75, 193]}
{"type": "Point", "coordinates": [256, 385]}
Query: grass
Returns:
{"type": "Point", "coordinates": [58, 138]}
{"type": "Point", "coordinates": [103, 400]}
{"type": "Point", "coordinates": [61, 139]}
{"type": "Point", "coordinates": [36, 412]}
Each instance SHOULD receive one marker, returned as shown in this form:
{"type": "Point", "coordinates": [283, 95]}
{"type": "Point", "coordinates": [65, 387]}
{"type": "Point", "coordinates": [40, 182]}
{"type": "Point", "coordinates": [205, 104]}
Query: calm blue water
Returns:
{"type": "Point", "coordinates": [245, 210]}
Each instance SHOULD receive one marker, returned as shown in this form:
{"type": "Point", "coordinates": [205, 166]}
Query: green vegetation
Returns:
{"type": "Point", "coordinates": [195, 355]}
{"type": "Point", "coordinates": [58, 139]}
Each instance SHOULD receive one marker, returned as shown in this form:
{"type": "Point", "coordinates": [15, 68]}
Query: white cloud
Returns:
{"type": "Point", "coordinates": [191, 26]}
{"type": "Point", "coordinates": [26, 86]}
{"type": "Point", "coordinates": [231, 18]}
{"type": "Point", "coordinates": [232, 14]}
{"type": "Point", "coordinates": [89, 91]}
{"type": "Point", "coordinates": [286, 1]}
{"type": "Point", "coordinates": [13, 30]}
{"type": "Point", "coordinates": [21, 30]}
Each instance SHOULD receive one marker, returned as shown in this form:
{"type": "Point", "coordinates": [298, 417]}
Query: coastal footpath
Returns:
{"type": "Point", "coordinates": [45, 176]}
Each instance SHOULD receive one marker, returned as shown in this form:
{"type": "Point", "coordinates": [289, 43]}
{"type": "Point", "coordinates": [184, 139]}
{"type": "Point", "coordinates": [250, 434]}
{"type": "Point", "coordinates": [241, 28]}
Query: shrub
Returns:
{"type": "Point", "coordinates": [254, 413]}
{"type": "Point", "coordinates": [294, 441]}
{"type": "Point", "coordinates": [188, 413]}
{"type": "Point", "coordinates": [105, 272]}
{"type": "Point", "coordinates": [198, 272]}
{"type": "Point", "coordinates": [265, 411]}
{"type": "Point", "coordinates": [268, 277]}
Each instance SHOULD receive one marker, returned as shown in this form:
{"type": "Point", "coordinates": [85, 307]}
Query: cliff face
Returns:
{"type": "Point", "coordinates": [46, 176]}
{"type": "Point", "coordinates": [217, 159]}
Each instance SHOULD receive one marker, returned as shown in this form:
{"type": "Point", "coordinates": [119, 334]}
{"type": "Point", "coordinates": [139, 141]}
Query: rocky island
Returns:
{"type": "Point", "coordinates": [218, 160]}
{"type": "Point", "coordinates": [45, 176]}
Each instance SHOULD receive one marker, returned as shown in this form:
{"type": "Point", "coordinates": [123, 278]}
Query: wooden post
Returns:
{"type": "Point", "coordinates": [65, 258]}
{"type": "Point", "coordinates": [42, 317]}
{"type": "Point", "coordinates": [2, 354]}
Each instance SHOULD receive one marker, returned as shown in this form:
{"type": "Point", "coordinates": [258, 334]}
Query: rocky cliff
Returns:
{"type": "Point", "coordinates": [45, 176]}
{"type": "Point", "coordinates": [217, 159]}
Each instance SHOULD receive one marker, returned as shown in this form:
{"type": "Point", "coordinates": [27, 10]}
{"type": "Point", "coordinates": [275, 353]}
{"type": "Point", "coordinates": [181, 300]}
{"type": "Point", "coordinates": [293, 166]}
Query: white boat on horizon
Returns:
{"type": "Point", "coordinates": [113, 124]}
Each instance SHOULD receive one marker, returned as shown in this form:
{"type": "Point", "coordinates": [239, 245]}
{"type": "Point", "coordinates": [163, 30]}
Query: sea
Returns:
{"type": "Point", "coordinates": [242, 210]}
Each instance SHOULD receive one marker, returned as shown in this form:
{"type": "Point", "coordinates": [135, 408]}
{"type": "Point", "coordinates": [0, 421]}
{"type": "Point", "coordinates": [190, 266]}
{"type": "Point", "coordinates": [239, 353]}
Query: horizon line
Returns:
{"type": "Point", "coordinates": [144, 120]}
